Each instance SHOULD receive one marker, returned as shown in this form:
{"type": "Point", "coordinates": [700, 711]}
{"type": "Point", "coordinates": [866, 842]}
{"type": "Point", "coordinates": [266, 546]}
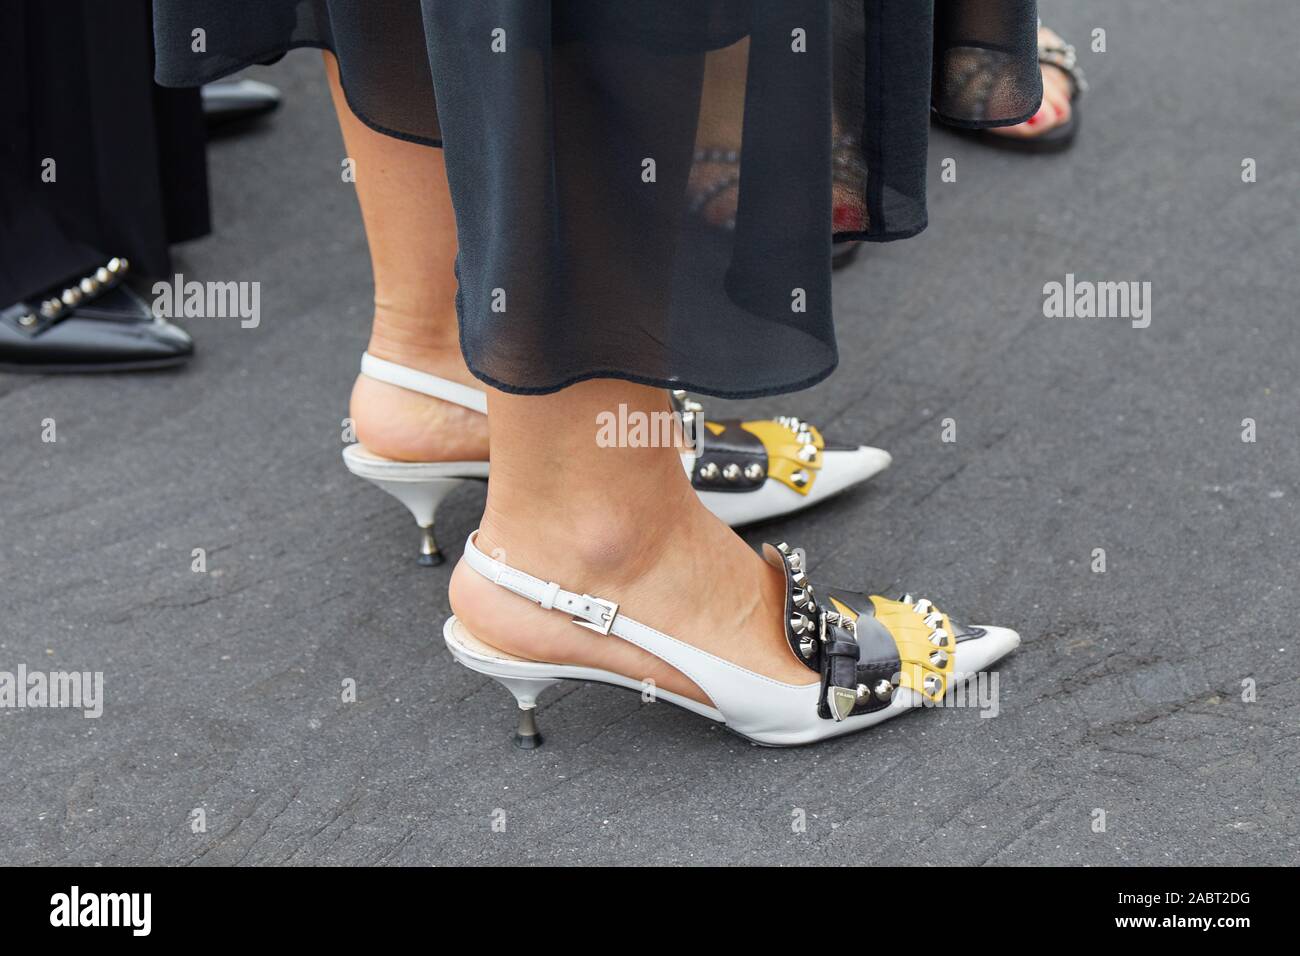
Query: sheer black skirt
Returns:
{"type": "Point", "coordinates": [650, 189]}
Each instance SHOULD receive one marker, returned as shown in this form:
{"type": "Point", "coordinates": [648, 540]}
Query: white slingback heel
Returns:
{"type": "Point", "coordinates": [869, 658]}
{"type": "Point", "coordinates": [743, 471]}
{"type": "Point", "coordinates": [420, 485]}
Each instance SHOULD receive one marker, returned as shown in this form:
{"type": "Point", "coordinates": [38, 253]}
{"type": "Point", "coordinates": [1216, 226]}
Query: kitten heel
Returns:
{"type": "Point", "coordinates": [421, 486]}
{"type": "Point", "coordinates": [526, 691]}
{"type": "Point", "coordinates": [422, 498]}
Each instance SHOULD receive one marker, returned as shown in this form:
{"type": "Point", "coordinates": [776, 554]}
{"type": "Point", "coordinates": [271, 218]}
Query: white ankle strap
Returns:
{"type": "Point", "coordinates": [590, 612]}
{"type": "Point", "coordinates": [730, 687]}
{"type": "Point", "coordinates": [382, 370]}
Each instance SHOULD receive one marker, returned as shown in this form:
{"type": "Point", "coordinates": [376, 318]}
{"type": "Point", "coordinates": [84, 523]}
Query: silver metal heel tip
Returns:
{"type": "Point", "coordinates": [527, 736]}
{"type": "Point", "coordinates": [430, 553]}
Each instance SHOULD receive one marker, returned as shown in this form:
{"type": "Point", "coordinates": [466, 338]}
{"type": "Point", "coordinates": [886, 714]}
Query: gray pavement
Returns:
{"type": "Point", "coordinates": [223, 689]}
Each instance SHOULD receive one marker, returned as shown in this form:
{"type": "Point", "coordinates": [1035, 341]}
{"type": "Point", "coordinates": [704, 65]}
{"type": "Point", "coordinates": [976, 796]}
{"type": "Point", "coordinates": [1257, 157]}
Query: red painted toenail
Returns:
{"type": "Point", "coordinates": [847, 219]}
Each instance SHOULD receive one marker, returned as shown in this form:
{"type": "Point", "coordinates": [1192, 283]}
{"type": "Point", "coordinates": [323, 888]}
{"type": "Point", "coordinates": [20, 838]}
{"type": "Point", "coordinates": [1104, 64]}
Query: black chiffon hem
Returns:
{"type": "Point", "coordinates": [649, 190]}
{"type": "Point", "coordinates": [274, 56]}
{"type": "Point", "coordinates": [967, 123]}
{"type": "Point", "coordinates": [702, 388]}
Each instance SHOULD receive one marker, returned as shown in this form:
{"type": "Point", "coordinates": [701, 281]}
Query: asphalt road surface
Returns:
{"type": "Point", "coordinates": [1162, 692]}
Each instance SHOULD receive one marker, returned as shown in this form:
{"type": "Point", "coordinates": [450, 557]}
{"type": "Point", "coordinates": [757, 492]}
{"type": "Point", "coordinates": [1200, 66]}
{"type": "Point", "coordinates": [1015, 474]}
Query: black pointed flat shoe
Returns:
{"type": "Point", "coordinates": [228, 104]}
{"type": "Point", "coordinates": [94, 324]}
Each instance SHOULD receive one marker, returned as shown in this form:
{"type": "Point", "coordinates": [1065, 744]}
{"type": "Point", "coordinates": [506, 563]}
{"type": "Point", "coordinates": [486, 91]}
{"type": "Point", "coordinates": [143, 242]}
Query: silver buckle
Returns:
{"type": "Point", "coordinates": [611, 610]}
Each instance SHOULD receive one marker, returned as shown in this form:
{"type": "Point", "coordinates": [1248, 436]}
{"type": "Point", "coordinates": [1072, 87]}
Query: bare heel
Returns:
{"type": "Point", "coordinates": [420, 485]}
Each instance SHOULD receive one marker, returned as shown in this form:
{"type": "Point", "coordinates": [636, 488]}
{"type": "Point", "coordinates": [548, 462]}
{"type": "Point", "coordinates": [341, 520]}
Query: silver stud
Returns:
{"type": "Point", "coordinates": [116, 266]}
{"type": "Point", "coordinates": [731, 472]}
{"type": "Point", "coordinates": [753, 471]}
{"type": "Point", "coordinates": [89, 285]}
{"type": "Point", "coordinates": [939, 659]}
{"type": "Point", "coordinates": [27, 320]}
{"type": "Point", "coordinates": [709, 471]}
{"type": "Point", "coordinates": [72, 297]}
{"type": "Point", "coordinates": [863, 692]}
{"type": "Point", "coordinates": [796, 561]}
{"type": "Point", "coordinates": [800, 624]}
{"type": "Point", "coordinates": [798, 577]}
{"type": "Point", "coordinates": [103, 275]}
{"type": "Point", "coordinates": [802, 597]}
{"type": "Point", "coordinates": [124, 264]}
{"type": "Point", "coordinates": [799, 478]}
{"type": "Point", "coordinates": [783, 548]}
{"type": "Point", "coordinates": [678, 393]}
{"type": "Point", "coordinates": [884, 689]}
{"type": "Point", "coordinates": [939, 638]}
{"type": "Point", "coordinates": [905, 599]}
{"type": "Point", "coordinates": [51, 308]}
{"type": "Point", "coordinates": [932, 685]}
{"type": "Point", "coordinates": [807, 452]}
{"type": "Point", "coordinates": [806, 647]}
{"type": "Point", "coordinates": [692, 406]}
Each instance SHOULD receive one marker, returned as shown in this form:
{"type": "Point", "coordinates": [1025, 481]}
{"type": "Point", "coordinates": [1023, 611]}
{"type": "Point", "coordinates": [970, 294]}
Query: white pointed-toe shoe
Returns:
{"type": "Point", "coordinates": [869, 658]}
{"type": "Point", "coordinates": [743, 471]}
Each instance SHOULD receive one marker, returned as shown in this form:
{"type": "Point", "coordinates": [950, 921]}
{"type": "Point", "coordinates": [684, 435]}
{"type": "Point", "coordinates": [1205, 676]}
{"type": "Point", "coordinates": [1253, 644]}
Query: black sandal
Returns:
{"type": "Point", "coordinates": [1059, 138]}
{"type": "Point", "coordinates": [847, 171]}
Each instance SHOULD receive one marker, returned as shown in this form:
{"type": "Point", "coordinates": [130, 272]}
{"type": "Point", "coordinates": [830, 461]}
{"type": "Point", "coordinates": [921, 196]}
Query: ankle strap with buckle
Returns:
{"type": "Point", "coordinates": [593, 613]}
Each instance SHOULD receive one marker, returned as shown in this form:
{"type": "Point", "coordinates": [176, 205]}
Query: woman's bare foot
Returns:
{"type": "Point", "coordinates": [623, 524]}
{"type": "Point", "coordinates": [397, 423]}
{"type": "Point", "coordinates": [1057, 89]}
{"type": "Point", "coordinates": [690, 577]}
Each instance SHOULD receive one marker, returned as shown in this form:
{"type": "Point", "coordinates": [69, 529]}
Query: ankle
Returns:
{"type": "Point", "coordinates": [404, 425]}
{"type": "Point", "coordinates": [586, 546]}
{"type": "Point", "coordinates": [664, 573]}
{"type": "Point", "coordinates": [428, 342]}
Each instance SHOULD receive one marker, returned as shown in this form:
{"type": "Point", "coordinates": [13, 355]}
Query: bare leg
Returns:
{"type": "Point", "coordinates": [620, 523]}
{"type": "Point", "coordinates": [411, 229]}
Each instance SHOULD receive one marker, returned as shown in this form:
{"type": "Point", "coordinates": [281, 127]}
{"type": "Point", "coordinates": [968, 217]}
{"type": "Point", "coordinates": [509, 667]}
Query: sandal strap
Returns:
{"type": "Point", "coordinates": [382, 370]}
{"type": "Point", "coordinates": [1065, 58]}
{"type": "Point", "coordinates": [593, 613]}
